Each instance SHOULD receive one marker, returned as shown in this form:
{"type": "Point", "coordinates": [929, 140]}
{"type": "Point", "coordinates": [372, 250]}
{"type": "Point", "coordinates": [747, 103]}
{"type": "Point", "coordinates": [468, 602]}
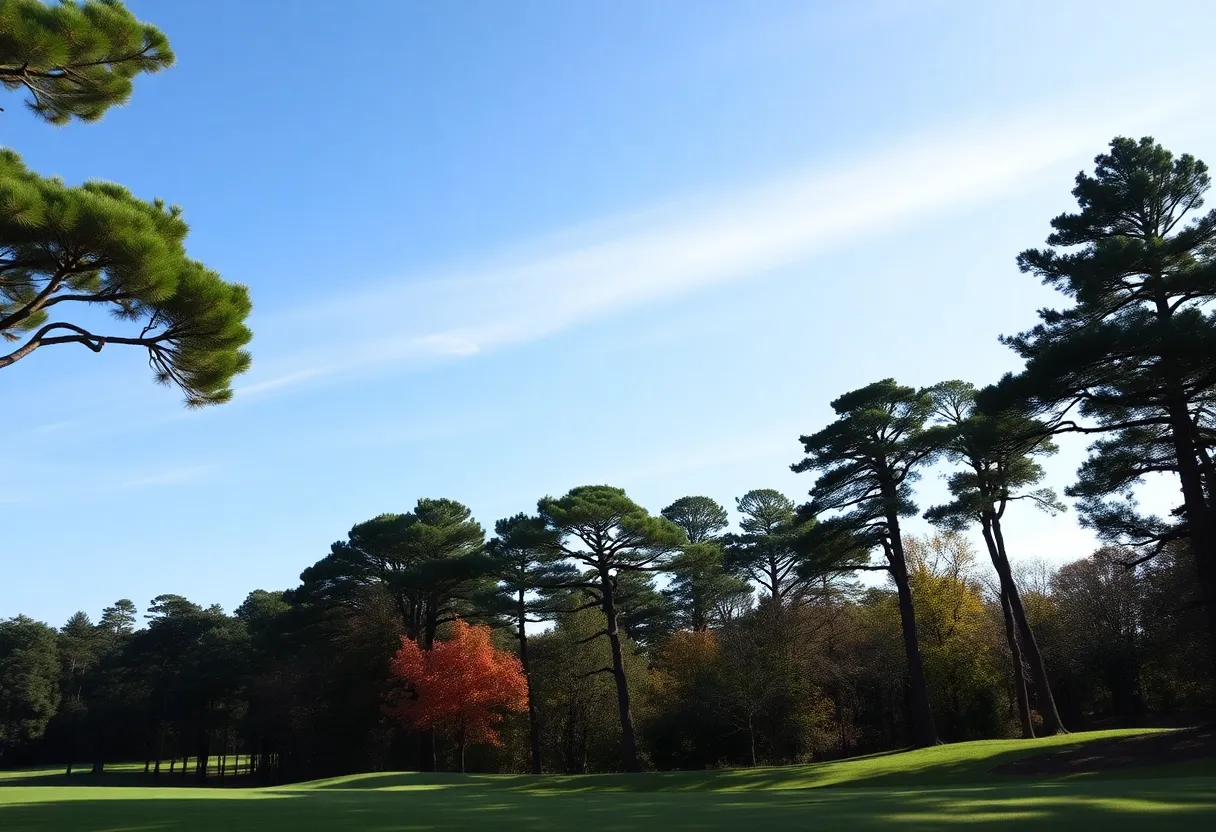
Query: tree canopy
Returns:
{"type": "Point", "coordinates": [867, 461]}
{"type": "Point", "coordinates": [76, 60]}
{"type": "Point", "coordinates": [68, 252]}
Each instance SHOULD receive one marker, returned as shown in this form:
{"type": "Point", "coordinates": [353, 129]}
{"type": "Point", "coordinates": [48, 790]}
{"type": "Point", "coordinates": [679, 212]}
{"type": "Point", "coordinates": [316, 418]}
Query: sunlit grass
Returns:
{"type": "Point", "coordinates": [943, 787]}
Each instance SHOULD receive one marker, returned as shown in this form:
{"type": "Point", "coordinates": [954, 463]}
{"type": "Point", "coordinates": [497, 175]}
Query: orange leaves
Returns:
{"type": "Point", "coordinates": [462, 686]}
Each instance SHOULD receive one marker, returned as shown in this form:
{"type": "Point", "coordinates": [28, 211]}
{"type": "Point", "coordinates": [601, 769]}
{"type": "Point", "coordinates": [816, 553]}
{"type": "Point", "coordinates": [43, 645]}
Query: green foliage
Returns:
{"type": "Point", "coordinates": [96, 245]}
{"type": "Point", "coordinates": [602, 527]}
{"type": "Point", "coordinates": [766, 549]}
{"type": "Point", "coordinates": [997, 452]}
{"type": "Point", "coordinates": [29, 676]}
{"type": "Point", "coordinates": [646, 615]}
{"type": "Point", "coordinates": [701, 518]}
{"type": "Point", "coordinates": [529, 566]}
{"type": "Point", "coordinates": [76, 60]}
{"type": "Point", "coordinates": [702, 591]}
{"type": "Point", "coordinates": [429, 563]}
{"type": "Point", "coordinates": [1134, 354]}
{"type": "Point", "coordinates": [868, 459]}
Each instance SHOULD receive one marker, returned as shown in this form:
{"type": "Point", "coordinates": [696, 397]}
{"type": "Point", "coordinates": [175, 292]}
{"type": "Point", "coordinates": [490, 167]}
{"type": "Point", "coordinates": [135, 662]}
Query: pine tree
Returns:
{"type": "Point", "coordinates": [599, 526]}
{"type": "Point", "coordinates": [701, 591]}
{"type": "Point", "coordinates": [530, 571]}
{"type": "Point", "coordinates": [766, 549]}
{"type": "Point", "coordinates": [65, 249]}
{"type": "Point", "coordinates": [997, 453]}
{"type": "Point", "coordinates": [1134, 354]}
{"type": "Point", "coordinates": [867, 461]}
{"type": "Point", "coordinates": [76, 60]}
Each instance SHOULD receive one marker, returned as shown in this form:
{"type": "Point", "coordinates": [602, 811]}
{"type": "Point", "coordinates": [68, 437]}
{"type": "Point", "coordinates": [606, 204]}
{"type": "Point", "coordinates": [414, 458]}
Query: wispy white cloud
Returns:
{"type": "Point", "coordinates": [682, 246]}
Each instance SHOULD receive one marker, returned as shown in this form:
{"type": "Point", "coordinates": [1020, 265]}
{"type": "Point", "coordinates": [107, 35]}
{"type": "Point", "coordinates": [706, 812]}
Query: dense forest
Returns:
{"type": "Point", "coordinates": [679, 639]}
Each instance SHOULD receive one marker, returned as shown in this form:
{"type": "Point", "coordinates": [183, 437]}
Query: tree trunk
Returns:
{"type": "Point", "coordinates": [751, 736]}
{"type": "Point", "coordinates": [460, 740]}
{"type": "Point", "coordinates": [533, 723]}
{"type": "Point", "coordinates": [629, 743]}
{"type": "Point", "coordinates": [1019, 673]}
{"type": "Point", "coordinates": [1052, 724]}
{"type": "Point", "coordinates": [924, 733]}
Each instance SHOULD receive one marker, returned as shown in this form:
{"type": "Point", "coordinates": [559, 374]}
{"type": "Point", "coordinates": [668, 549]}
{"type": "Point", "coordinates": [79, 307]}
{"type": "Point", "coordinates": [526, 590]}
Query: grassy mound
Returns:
{"type": "Point", "coordinates": [931, 788]}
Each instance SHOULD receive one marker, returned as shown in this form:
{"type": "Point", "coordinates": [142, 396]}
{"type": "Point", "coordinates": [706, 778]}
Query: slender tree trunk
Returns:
{"type": "Point", "coordinates": [460, 740]}
{"type": "Point", "coordinates": [1019, 673]}
{"type": "Point", "coordinates": [924, 732]}
{"type": "Point", "coordinates": [629, 742]}
{"type": "Point", "coordinates": [533, 722]}
{"type": "Point", "coordinates": [160, 751]}
{"type": "Point", "coordinates": [751, 736]}
{"type": "Point", "coordinates": [1052, 724]}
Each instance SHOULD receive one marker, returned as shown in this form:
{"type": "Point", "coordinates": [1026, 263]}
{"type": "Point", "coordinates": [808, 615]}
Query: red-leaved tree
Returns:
{"type": "Point", "coordinates": [461, 687]}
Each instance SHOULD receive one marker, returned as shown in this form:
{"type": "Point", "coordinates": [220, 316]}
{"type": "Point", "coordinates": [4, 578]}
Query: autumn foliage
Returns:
{"type": "Point", "coordinates": [462, 687]}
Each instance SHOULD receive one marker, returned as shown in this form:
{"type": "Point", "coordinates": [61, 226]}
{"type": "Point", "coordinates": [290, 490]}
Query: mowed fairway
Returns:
{"type": "Point", "coordinates": [930, 789]}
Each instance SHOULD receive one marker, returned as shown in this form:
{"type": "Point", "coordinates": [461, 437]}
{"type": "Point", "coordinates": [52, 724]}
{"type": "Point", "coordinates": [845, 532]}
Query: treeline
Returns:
{"type": "Point", "coordinates": [297, 688]}
{"type": "Point", "coordinates": [755, 645]}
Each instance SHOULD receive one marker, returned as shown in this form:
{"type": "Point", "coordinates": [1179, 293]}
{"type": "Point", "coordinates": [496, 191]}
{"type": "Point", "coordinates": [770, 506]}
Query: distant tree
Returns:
{"type": "Point", "coordinates": [76, 60]}
{"type": "Point", "coordinates": [1133, 355]}
{"type": "Point", "coordinates": [429, 564]}
{"type": "Point", "coordinates": [701, 590]}
{"type": "Point", "coordinates": [1102, 608]}
{"type": "Point", "coordinates": [957, 634]}
{"type": "Point", "coordinates": [81, 646]}
{"type": "Point", "coordinates": [701, 518]}
{"type": "Point", "coordinates": [530, 570]}
{"type": "Point", "coordinates": [867, 461]}
{"type": "Point", "coordinates": [600, 527]}
{"type": "Point", "coordinates": [460, 686]}
{"type": "Point", "coordinates": [96, 246]}
{"type": "Point", "coordinates": [429, 561]}
{"type": "Point", "coordinates": [29, 680]}
{"type": "Point", "coordinates": [766, 549]}
{"type": "Point", "coordinates": [119, 618]}
{"type": "Point", "coordinates": [997, 452]}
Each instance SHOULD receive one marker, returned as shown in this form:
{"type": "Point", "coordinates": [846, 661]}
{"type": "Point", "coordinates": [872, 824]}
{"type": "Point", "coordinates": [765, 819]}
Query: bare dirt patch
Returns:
{"type": "Point", "coordinates": [1154, 749]}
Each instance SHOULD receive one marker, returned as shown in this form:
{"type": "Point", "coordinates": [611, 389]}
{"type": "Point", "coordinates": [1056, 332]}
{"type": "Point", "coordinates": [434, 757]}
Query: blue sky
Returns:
{"type": "Point", "coordinates": [502, 249]}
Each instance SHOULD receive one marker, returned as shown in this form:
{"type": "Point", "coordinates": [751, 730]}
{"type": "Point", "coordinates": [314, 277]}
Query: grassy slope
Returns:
{"type": "Point", "coordinates": [928, 789]}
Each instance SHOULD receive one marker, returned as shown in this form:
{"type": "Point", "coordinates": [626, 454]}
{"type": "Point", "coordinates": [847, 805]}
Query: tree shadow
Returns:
{"type": "Point", "coordinates": [1109, 805]}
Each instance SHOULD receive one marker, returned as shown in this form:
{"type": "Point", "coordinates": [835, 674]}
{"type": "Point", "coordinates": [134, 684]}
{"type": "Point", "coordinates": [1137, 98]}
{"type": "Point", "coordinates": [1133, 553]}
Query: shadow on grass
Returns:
{"type": "Point", "coordinates": [1113, 805]}
{"type": "Point", "coordinates": [120, 779]}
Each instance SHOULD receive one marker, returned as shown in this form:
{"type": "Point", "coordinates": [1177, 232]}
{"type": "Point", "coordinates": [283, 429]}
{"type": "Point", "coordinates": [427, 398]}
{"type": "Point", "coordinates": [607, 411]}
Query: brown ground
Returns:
{"type": "Point", "coordinates": [1124, 752]}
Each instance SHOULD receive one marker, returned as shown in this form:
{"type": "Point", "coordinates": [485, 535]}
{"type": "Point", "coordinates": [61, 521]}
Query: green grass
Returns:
{"type": "Point", "coordinates": [934, 788]}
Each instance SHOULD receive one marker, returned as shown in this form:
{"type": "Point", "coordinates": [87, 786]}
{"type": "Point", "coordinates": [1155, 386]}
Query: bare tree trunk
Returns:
{"type": "Point", "coordinates": [629, 743]}
{"type": "Point", "coordinates": [751, 736]}
{"type": "Point", "coordinates": [533, 722]}
{"type": "Point", "coordinates": [1019, 673]}
{"type": "Point", "coordinates": [924, 732]}
{"type": "Point", "coordinates": [1052, 724]}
